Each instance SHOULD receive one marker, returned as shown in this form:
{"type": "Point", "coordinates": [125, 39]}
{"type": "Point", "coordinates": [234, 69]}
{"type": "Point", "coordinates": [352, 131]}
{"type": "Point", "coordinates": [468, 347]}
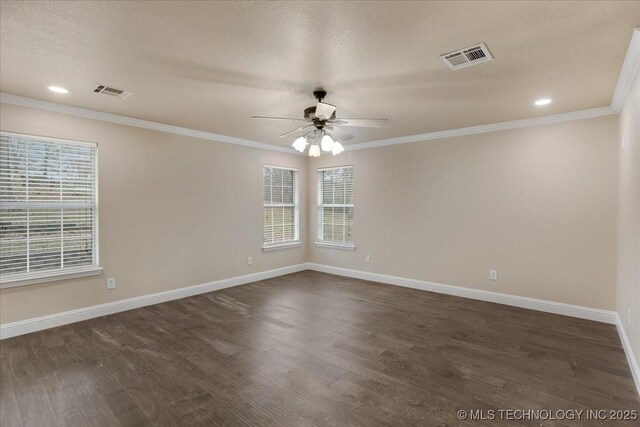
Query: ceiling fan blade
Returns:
{"type": "Point", "coordinates": [361, 123]}
{"type": "Point", "coordinates": [301, 130]}
{"type": "Point", "coordinates": [340, 134]}
{"type": "Point", "coordinates": [278, 118]}
{"type": "Point", "coordinates": [324, 111]}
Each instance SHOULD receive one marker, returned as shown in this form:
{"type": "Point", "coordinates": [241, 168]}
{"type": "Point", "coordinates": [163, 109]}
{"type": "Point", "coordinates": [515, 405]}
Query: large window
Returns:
{"type": "Point", "coordinates": [280, 206]}
{"type": "Point", "coordinates": [48, 209]}
{"type": "Point", "coordinates": [335, 206]}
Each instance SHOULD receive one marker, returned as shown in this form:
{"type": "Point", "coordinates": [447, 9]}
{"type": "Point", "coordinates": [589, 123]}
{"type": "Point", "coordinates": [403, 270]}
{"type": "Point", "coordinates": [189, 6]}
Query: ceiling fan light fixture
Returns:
{"type": "Point", "coordinates": [314, 150]}
{"type": "Point", "coordinates": [322, 126]}
{"type": "Point", "coordinates": [300, 144]}
{"type": "Point", "coordinates": [326, 143]}
{"type": "Point", "coordinates": [337, 148]}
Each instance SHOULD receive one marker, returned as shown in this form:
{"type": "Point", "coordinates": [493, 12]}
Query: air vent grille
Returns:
{"type": "Point", "coordinates": [467, 57]}
{"type": "Point", "coordinates": [112, 91]}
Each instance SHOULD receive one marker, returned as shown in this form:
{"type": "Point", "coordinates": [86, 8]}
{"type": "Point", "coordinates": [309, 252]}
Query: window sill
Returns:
{"type": "Point", "coordinates": [33, 278]}
{"type": "Point", "coordinates": [336, 246]}
{"type": "Point", "coordinates": [287, 245]}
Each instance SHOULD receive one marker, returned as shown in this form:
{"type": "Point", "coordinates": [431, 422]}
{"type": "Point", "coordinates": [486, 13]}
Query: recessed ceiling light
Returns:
{"type": "Point", "coordinates": [58, 89]}
{"type": "Point", "coordinates": [543, 101]}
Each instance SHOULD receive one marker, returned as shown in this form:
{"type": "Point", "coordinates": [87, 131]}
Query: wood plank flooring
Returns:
{"type": "Point", "coordinates": [312, 349]}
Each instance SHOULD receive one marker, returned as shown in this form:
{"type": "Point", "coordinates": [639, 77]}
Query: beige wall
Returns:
{"type": "Point", "coordinates": [629, 217]}
{"type": "Point", "coordinates": [538, 204]}
{"type": "Point", "coordinates": [174, 211]}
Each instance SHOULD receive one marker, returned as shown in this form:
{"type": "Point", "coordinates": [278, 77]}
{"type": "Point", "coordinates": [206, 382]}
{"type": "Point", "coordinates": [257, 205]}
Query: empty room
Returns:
{"type": "Point", "coordinates": [319, 213]}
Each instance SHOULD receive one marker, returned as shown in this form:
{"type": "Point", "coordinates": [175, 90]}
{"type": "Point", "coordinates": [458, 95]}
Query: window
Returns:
{"type": "Point", "coordinates": [48, 209]}
{"type": "Point", "coordinates": [335, 206]}
{"type": "Point", "coordinates": [280, 206]}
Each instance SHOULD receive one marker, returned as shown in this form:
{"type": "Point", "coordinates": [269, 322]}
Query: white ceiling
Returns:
{"type": "Point", "coordinates": [211, 65]}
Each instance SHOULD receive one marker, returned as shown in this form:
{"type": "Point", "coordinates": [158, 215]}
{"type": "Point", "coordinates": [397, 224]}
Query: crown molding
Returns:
{"type": "Point", "coordinates": [22, 101]}
{"type": "Point", "coordinates": [7, 98]}
{"type": "Point", "coordinates": [629, 69]}
{"type": "Point", "coordinates": [473, 130]}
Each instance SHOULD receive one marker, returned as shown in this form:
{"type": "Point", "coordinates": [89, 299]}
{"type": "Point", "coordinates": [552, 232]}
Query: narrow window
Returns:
{"type": "Point", "coordinates": [280, 207]}
{"type": "Point", "coordinates": [335, 206]}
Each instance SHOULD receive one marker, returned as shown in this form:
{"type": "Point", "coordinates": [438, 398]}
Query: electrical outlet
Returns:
{"type": "Point", "coordinates": [493, 274]}
{"type": "Point", "coordinates": [249, 260]}
{"type": "Point", "coordinates": [628, 317]}
{"type": "Point", "coordinates": [367, 259]}
{"type": "Point", "coordinates": [111, 283]}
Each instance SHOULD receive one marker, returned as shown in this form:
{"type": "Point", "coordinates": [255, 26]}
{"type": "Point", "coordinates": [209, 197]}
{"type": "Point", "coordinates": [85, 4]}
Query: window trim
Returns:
{"type": "Point", "coordinates": [319, 242]}
{"type": "Point", "coordinates": [297, 241]}
{"type": "Point", "coordinates": [332, 245]}
{"type": "Point", "coordinates": [290, 244]}
{"type": "Point", "coordinates": [43, 276]}
{"type": "Point", "coordinates": [56, 275]}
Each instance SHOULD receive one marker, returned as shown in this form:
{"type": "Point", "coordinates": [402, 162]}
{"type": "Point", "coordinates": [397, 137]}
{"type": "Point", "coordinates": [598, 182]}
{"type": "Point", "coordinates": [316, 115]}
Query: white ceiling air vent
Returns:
{"type": "Point", "coordinates": [112, 91]}
{"type": "Point", "coordinates": [467, 57]}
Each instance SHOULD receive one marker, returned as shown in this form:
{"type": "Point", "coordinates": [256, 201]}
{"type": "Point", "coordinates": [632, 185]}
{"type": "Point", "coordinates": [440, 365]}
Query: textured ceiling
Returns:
{"type": "Point", "coordinates": [211, 65]}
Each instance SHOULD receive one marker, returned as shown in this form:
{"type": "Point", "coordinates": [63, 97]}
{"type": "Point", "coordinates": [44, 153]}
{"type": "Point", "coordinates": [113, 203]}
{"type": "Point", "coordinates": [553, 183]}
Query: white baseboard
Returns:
{"type": "Point", "coordinates": [588, 313]}
{"type": "Point", "coordinates": [22, 327]}
{"type": "Point", "coordinates": [628, 350]}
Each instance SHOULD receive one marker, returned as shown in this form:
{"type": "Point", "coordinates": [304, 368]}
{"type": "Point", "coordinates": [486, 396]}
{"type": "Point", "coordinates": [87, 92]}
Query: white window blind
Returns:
{"type": "Point", "coordinates": [280, 206]}
{"type": "Point", "coordinates": [335, 206]}
{"type": "Point", "coordinates": [48, 207]}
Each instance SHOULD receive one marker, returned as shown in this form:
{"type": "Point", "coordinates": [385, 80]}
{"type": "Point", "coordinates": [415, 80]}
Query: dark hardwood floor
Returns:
{"type": "Point", "coordinates": [312, 349]}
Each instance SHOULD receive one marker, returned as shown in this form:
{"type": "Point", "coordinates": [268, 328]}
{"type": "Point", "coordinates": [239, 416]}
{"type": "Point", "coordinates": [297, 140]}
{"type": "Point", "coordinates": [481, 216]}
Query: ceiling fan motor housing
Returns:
{"type": "Point", "coordinates": [310, 115]}
{"type": "Point", "coordinates": [322, 117]}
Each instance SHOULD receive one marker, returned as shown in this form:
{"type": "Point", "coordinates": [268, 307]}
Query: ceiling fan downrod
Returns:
{"type": "Point", "coordinates": [320, 94]}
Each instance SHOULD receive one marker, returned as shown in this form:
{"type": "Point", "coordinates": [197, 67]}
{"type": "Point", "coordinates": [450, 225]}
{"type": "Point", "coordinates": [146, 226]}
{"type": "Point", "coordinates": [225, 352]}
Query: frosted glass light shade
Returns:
{"type": "Point", "coordinates": [300, 144]}
{"type": "Point", "coordinates": [326, 143]}
{"type": "Point", "coordinates": [337, 148]}
{"type": "Point", "coordinates": [314, 150]}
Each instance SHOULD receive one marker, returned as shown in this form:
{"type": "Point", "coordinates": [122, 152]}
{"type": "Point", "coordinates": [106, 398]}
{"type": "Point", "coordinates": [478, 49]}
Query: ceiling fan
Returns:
{"type": "Point", "coordinates": [322, 128]}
